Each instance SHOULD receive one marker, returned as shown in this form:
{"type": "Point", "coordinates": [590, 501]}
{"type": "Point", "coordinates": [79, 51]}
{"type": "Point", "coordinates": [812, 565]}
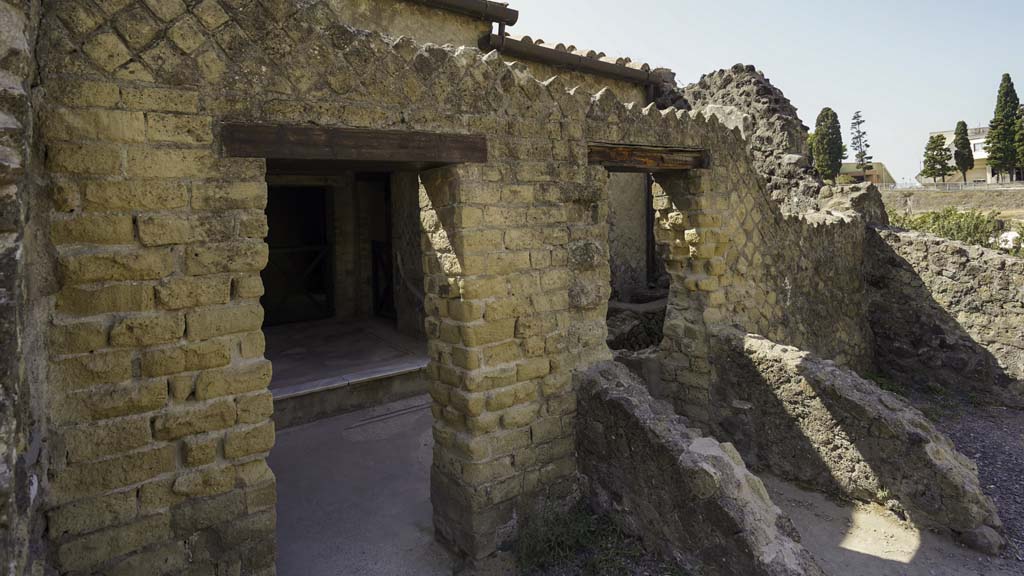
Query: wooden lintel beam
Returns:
{"type": "Point", "coordinates": [282, 142]}
{"type": "Point", "coordinates": [653, 159]}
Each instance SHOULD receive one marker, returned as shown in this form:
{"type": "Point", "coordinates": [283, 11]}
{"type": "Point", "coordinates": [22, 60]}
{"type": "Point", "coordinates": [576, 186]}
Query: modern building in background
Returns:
{"type": "Point", "coordinates": [878, 174]}
{"type": "Point", "coordinates": [981, 173]}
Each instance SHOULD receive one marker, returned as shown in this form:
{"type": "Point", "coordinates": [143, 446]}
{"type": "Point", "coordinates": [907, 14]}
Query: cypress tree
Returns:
{"type": "Point", "coordinates": [936, 158]}
{"type": "Point", "coordinates": [828, 145]}
{"type": "Point", "coordinates": [859, 143]}
{"type": "Point", "coordinates": [1020, 138]}
{"type": "Point", "coordinates": [1000, 143]}
{"type": "Point", "coordinates": [963, 155]}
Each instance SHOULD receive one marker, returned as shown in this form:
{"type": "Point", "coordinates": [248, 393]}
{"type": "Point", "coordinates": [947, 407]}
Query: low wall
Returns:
{"type": "Point", "coordinates": [1009, 202]}
{"type": "Point", "coordinates": [684, 494]}
{"type": "Point", "coordinates": [823, 426]}
{"type": "Point", "coordinates": [946, 313]}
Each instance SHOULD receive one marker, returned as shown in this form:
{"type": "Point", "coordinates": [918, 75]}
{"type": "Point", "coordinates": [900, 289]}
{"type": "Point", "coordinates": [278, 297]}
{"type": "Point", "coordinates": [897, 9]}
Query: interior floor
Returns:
{"type": "Point", "coordinates": [354, 494]}
{"type": "Point", "coordinates": [313, 356]}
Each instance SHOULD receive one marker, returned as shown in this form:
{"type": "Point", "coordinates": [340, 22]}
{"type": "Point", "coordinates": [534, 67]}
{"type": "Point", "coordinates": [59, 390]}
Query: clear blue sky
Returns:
{"type": "Point", "coordinates": [911, 66]}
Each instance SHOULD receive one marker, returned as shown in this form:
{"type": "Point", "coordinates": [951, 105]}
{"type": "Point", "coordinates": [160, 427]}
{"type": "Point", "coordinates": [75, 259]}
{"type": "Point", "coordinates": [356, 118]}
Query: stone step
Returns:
{"type": "Point", "coordinates": [309, 402]}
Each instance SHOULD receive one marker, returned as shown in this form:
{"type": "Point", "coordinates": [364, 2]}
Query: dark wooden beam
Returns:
{"type": "Point", "coordinates": [482, 9]}
{"type": "Point", "coordinates": [282, 142]}
{"type": "Point", "coordinates": [287, 167]}
{"type": "Point", "coordinates": [651, 159]}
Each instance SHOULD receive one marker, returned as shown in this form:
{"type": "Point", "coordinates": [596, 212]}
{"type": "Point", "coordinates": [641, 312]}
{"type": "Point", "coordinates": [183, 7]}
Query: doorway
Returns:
{"type": "Point", "coordinates": [343, 300]}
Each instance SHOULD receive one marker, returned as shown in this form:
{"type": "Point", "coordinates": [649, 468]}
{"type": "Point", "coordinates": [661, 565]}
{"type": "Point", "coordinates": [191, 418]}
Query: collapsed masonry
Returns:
{"type": "Point", "coordinates": [136, 418]}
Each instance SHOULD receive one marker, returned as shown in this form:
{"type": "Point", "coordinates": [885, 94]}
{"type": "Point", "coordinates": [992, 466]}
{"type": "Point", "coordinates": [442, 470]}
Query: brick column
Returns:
{"type": "Point", "coordinates": [692, 243]}
{"type": "Point", "coordinates": [160, 413]}
{"type": "Point", "coordinates": [497, 312]}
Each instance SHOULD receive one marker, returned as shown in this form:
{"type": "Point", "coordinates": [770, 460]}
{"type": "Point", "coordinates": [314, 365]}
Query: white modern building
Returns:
{"type": "Point", "coordinates": [981, 173]}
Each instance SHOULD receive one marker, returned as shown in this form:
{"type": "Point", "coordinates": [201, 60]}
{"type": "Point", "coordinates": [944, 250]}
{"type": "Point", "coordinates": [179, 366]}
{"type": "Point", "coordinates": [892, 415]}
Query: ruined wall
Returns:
{"type": "Point", "coordinates": [589, 83]}
{"type": "Point", "coordinates": [735, 259]}
{"type": "Point", "coordinates": [158, 357]}
{"type": "Point", "coordinates": [743, 97]}
{"type": "Point", "coordinates": [1008, 202]}
{"type": "Point", "coordinates": [684, 493]}
{"type": "Point", "coordinates": [816, 423]}
{"type": "Point", "coordinates": [947, 314]}
{"type": "Point", "coordinates": [403, 18]}
{"type": "Point", "coordinates": [748, 244]}
{"type": "Point", "coordinates": [21, 432]}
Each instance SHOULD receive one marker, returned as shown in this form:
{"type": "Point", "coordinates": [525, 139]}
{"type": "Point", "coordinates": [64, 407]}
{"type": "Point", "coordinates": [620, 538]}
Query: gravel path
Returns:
{"type": "Point", "coordinates": [994, 438]}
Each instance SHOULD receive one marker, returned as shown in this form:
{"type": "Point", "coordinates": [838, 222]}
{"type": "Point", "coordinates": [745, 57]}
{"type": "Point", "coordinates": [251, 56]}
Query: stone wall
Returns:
{"type": "Point", "coordinates": [735, 259]}
{"type": "Point", "coordinates": [589, 83]}
{"type": "Point", "coordinates": [157, 353]}
{"type": "Point", "coordinates": [744, 98]}
{"type": "Point", "coordinates": [21, 432]}
{"type": "Point", "coordinates": [1008, 202]}
{"type": "Point", "coordinates": [821, 425]}
{"type": "Point", "coordinates": [404, 18]}
{"type": "Point", "coordinates": [683, 493]}
{"type": "Point", "coordinates": [947, 314]}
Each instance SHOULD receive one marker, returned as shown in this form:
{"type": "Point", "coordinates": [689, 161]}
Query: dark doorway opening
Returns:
{"type": "Point", "coordinates": [376, 192]}
{"type": "Point", "coordinates": [344, 297]}
{"type": "Point", "coordinates": [299, 277]}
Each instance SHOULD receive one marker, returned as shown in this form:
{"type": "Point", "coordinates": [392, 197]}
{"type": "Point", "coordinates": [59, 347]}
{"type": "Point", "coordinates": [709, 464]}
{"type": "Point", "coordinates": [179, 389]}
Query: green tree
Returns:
{"type": "Point", "coordinates": [859, 143]}
{"type": "Point", "coordinates": [936, 158]}
{"type": "Point", "coordinates": [963, 155]}
{"type": "Point", "coordinates": [1020, 138]}
{"type": "Point", "coordinates": [1002, 131]}
{"type": "Point", "coordinates": [810, 148]}
{"type": "Point", "coordinates": [828, 145]}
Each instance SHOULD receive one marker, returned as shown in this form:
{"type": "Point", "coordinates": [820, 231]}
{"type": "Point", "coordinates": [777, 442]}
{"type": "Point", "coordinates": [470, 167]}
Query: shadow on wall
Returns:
{"type": "Point", "coordinates": [815, 423]}
{"type": "Point", "coordinates": [918, 342]}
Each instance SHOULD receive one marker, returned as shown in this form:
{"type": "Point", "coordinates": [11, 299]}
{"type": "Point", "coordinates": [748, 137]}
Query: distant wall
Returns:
{"type": "Point", "coordinates": [946, 313]}
{"type": "Point", "coordinates": [1009, 202]}
{"type": "Point", "coordinates": [627, 233]}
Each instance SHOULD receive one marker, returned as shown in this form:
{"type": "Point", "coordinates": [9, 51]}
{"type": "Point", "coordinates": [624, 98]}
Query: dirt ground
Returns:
{"type": "Point", "coordinates": [870, 541]}
{"type": "Point", "coordinates": [863, 540]}
{"type": "Point", "coordinates": [994, 438]}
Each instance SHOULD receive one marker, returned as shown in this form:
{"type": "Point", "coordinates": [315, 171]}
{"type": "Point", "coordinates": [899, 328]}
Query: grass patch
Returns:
{"type": "Point", "coordinates": [581, 542]}
{"type": "Point", "coordinates": [970, 226]}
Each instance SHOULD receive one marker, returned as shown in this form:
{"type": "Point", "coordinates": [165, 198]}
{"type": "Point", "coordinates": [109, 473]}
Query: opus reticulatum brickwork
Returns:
{"type": "Point", "coordinates": [134, 384]}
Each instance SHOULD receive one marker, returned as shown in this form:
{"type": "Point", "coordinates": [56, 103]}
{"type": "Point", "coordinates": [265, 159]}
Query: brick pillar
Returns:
{"type": "Point", "coordinates": [159, 408]}
{"type": "Point", "coordinates": [688, 233]}
{"type": "Point", "coordinates": [497, 314]}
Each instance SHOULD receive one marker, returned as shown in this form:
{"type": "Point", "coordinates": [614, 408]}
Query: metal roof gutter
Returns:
{"type": "Point", "coordinates": [542, 54]}
{"type": "Point", "coordinates": [482, 9]}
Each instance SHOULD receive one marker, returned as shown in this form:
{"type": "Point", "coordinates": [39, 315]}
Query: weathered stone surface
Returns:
{"type": "Point", "coordinates": [192, 292]}
{"type": "Point", "coordinates": [194, 420]}
{"type": "Point", "coordinates": [946, 314]}
{"type": "Point", "coordinates": [625, 435]}
{"type": "Point", "coordinates": [822, 425]}
{"type": "Point", "coordinates": [744, 98]}
{"type": "Point", "coordinates": [212, 322]}
{"type": "Point", "coordinates": [512, 254]}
